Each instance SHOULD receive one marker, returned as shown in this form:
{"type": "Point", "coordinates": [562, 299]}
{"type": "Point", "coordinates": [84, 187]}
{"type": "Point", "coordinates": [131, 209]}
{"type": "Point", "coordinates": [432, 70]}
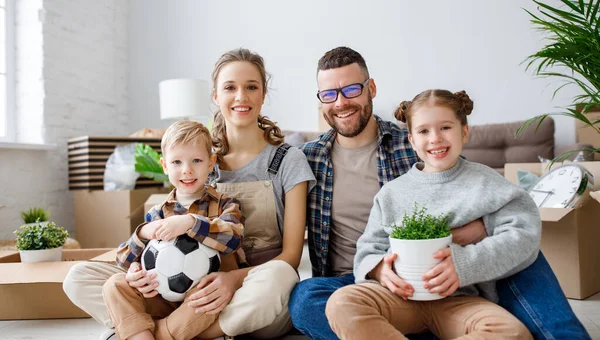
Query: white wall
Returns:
{"type": "Point", "coordinates": [71, 73]}
{"type": "Point", "coordinates": [409, 46]}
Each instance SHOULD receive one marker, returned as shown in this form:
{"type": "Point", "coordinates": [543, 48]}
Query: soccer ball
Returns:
{"type": "Point", "coordinates": [179, 264]}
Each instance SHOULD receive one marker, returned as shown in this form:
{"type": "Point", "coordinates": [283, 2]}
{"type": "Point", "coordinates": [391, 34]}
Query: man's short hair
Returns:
{"type": "Point", "coordinates": [342, 56]}
{"type": "Point", "coordinates": [184, 132]}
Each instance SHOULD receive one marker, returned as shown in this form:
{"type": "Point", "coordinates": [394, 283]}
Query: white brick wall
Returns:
{"type": "Point", "coordinates": [71, 81]}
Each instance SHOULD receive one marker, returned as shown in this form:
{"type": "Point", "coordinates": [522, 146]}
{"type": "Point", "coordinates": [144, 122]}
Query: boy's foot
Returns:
{"type": "Point", "coordinates": [109, 334]}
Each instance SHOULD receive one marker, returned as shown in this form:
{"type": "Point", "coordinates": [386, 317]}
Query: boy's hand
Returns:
{"type": "Point", "coordinates": [384, 273]}
{"type": "Point", "coordinates": [174, 226]}
{"type": "Point", "coordinates": [147, 232]}
{"type": "Point", "coordinates": [140, 280]}
{"type": "Point", "coordinates": [215, 291]}
{"type": "Point", "coordinates": [442, 278]}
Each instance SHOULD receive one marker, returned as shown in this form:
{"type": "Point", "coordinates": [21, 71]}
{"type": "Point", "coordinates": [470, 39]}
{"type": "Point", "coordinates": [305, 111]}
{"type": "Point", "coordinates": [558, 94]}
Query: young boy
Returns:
{"type": "Point", "coordinates": [187, 160]}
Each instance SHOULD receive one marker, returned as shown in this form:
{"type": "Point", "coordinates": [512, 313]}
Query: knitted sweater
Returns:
{"type": "Point", "coordinates": [468, 191]}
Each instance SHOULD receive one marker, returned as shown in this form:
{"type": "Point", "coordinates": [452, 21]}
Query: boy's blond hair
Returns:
{"type": "Point", "coordinates": [184, 132]}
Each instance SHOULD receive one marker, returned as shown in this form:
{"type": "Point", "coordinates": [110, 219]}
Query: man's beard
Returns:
{"type": "Point", "coordinates": [364, 114]}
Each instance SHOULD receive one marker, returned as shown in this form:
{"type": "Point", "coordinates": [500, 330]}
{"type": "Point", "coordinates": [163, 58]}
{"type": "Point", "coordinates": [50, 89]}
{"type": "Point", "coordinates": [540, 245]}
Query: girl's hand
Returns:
{"type": "Point", "coordinates": [215, 291]}
{"type": "Point", "coordinates": [140, 280]}
{"type": "Point", "coordinates": [384, 273]}
{"type": "Point", "coordinates": [174, 226]}
{"type": "Point", "coordinates": [442, 278]}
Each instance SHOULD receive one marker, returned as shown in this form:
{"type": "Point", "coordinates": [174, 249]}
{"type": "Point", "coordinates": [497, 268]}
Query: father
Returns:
{"type": "Point", "coordinates": [367, 152]}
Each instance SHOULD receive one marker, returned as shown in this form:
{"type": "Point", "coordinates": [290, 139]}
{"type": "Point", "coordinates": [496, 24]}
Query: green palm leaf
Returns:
{"type": "Point", "coordinates": [147, 163]}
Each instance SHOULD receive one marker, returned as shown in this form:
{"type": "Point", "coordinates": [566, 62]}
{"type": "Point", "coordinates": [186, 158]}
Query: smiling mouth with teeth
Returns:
{"type": "Point", "coordinates": [437, 152]}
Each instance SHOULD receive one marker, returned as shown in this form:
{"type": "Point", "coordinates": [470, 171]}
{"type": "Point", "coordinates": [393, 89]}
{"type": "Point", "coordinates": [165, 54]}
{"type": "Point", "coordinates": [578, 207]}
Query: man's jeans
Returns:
{"type": "Point", "coordinates": [533, 296]}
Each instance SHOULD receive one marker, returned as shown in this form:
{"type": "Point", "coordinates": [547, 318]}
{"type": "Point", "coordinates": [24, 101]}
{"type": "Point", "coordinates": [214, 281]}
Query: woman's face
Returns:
{"type": "Point", "coordinates": [239, 93]}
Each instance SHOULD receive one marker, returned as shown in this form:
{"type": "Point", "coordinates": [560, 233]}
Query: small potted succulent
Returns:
{"type": "Point", "coordinates": [35, 215]}
{"type": "Point", "coordinates": [40, 242]}
{"type": "Point", "coordinates": [415, 241]}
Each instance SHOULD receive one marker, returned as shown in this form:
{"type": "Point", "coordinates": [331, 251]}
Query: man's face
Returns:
{"type": "Point", "coordinates": [348, 117]}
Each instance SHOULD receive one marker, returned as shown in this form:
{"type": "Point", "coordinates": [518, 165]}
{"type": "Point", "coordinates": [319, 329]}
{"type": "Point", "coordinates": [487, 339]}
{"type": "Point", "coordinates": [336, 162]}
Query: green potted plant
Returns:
{"type": "Point", "coordinates": [38, 242]}
{"type": "Point", "coordinates": [415, 241]}
{"type": "Point", "coordinates": [147, 163]}
{"type": "Point", "coordinates": [35, 215]}
{"type": "Point", "coordinates": [572, 54]}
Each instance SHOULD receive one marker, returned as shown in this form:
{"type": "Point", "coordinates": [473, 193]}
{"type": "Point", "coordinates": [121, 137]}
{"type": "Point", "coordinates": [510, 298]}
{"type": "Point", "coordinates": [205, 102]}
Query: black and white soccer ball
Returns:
{"type": "Point", "coordinates": [179, 264]}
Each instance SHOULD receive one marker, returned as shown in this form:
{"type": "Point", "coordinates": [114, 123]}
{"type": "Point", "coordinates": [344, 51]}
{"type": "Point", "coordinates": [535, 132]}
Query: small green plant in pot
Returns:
{"type": "Point", "coordinates": [35, 215]}
{"type": "Point", "coordinates": [40, 242]}
{"type": "Point", "coordinates": [415, 240]}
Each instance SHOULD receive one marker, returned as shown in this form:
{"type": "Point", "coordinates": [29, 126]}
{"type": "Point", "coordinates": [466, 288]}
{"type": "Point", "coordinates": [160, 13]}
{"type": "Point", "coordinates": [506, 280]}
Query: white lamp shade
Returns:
{"type": "Point", "coordinates": [183, 98]}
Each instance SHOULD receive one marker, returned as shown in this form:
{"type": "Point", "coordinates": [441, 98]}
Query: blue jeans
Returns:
{"type": "Point", "coordinates": [535, 297]}
{"type": "Point", "coordinates": [532, 295]}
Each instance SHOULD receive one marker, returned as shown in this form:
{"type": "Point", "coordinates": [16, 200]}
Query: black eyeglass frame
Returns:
{"type": "Point", "coordinates": [339, 90]}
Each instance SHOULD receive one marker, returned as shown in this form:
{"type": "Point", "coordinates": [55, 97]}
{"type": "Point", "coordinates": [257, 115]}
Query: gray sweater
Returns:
{"type": "Point", "coordinates": [468, 191]}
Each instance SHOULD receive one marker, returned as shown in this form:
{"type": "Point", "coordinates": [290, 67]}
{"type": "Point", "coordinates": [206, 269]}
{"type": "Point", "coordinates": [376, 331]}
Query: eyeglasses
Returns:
{"type": "Point", "coordinates": [348, 91]}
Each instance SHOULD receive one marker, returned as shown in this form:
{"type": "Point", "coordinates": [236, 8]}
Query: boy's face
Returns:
{"type": "Point", "coordinates": [437, 136]}
{"type": "Point", "coordinates": [188, 166]}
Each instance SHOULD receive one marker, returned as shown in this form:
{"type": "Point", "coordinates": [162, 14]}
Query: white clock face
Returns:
{"type": "Point", "coordinates": [558, 188]}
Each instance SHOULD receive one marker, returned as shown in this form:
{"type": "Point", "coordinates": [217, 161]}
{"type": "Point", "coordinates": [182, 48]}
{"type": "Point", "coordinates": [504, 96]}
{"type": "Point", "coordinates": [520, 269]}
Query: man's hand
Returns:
{"type": "Point", "coordinates": [384, 273]}
{"type": "Point", "coordinates": [174, 226]}
{"type": "Point", "coordinates": [215, 291]}
{"type": "Point", "coordinates": [442, 278]}
{"type": "Point", "coordinates": [140, 280]}
{"type": "Point", "coordinates": [471, 233]}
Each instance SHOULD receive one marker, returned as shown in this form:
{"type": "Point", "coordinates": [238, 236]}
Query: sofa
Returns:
{"type": "Point", "coordinates": [494, 144]}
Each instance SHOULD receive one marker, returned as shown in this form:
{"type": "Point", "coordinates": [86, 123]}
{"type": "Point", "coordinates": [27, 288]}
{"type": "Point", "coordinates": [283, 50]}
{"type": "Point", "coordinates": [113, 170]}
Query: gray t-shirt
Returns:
{"type": "Point", "coordinates": [294, 169]}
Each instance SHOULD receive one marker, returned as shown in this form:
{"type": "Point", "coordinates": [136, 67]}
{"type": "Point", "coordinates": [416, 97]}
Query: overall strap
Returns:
{"type": "Point", "coordinates": [278, 158]}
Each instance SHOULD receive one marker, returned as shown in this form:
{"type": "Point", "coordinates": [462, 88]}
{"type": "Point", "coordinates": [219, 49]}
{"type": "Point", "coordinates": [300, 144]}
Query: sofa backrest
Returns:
{"type": "Point", "coordinates": [496, 144]}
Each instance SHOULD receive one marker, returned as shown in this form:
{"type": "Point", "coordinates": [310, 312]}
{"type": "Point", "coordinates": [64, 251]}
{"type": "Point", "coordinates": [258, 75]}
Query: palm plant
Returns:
{"type": "Point", "coordinates": [573, 44]}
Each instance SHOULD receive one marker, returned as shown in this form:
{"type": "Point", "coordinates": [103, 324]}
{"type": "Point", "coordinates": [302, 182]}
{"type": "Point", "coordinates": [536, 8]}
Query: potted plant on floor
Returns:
{"type": "Point", "coordinates": [415, 241]}
{"type": "Point", "coordinates": [40, 242]}
{"type": "Point", "coordinates": [35, 215]}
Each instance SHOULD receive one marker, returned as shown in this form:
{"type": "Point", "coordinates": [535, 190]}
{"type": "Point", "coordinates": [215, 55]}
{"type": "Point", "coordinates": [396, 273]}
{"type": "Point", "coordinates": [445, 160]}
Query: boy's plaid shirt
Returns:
{"type": "Point", "coordinates": [224, 233]}
{"type": "Point", "coordinates": [395, 157]}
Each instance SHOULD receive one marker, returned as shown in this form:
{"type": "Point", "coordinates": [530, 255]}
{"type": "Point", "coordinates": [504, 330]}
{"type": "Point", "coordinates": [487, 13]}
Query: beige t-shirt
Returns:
{"type": "Point", "coordinates": [355, 183]}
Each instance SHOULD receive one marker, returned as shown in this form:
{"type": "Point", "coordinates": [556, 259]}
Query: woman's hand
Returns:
{"type": "Point", "coordinates": [384, 273]}
{"type": "Point", "coordinates": [140, 280]}
{"type": "Point", "coordinates": [215, 291]}
{"type": "Point", "coordinates": [442, 278]}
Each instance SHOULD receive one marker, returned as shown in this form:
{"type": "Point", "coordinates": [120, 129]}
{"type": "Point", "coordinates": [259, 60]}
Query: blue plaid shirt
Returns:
{"type": "Point", "coordinates": [395, 157]}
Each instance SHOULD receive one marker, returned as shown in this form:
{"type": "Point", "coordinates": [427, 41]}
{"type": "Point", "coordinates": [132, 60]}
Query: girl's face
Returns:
{"type": "Point", "coordinates": [239, 93]}
{"type": "Point", "coordinates": [437, 136]}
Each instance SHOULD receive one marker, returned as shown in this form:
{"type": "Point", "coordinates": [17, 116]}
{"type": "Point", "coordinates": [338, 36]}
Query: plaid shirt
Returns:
{"type": "Point", "coordinates": [395, 157]}
{"type": "Point", "coordinates": [224, 233]}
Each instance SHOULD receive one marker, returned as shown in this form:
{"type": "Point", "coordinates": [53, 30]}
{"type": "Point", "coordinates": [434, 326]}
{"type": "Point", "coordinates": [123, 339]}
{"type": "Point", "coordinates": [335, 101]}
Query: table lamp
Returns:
{"type": "Point", "coordinates": [184, 99]}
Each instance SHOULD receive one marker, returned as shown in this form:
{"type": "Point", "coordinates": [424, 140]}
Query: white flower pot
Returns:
{"type": "Point", "coordinates": [415, 258]}
{"type": "Point", "coordinates": [43, 255]}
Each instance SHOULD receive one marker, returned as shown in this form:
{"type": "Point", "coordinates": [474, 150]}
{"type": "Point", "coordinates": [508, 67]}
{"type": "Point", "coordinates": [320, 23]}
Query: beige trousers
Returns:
{"type": "Point", "coordinates": [371, 311]}
{"type": "Point", "coordinates": [259, 307]}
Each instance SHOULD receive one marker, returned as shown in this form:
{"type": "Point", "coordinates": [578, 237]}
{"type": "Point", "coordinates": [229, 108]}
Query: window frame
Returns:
{"type": "Point", "coordinates": [10, 116]}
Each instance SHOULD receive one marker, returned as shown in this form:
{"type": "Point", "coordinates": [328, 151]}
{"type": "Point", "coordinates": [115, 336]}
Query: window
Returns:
{"type": "Point", "coordinates": [6, 72]}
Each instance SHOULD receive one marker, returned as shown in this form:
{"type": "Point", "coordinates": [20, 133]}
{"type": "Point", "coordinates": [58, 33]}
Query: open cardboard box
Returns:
{"type": "Point", "coordinates": [34, 290]}
{"type": "Point", "coordinates": [570, 236]}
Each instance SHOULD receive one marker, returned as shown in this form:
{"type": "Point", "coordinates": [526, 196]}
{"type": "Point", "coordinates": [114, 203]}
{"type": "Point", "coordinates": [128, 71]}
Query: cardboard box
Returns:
{"type": "Point", "coordinates": [34, 290]}
{"type": "Point", "coordinates": [104, 219]}
{"type": "Point", "coordinates": [570, 237]}
{"type": "Point", "coordinates": [87, 157]}
{"type": "Point", "coordinates": [153, 200]}
{"type": "Point", "coordinates": [585, 134]}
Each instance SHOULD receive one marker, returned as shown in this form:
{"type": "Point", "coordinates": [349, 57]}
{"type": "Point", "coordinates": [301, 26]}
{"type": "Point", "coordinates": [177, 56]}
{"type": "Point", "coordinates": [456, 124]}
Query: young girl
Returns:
{"type": "Point", "coordinates": [377, 306]}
